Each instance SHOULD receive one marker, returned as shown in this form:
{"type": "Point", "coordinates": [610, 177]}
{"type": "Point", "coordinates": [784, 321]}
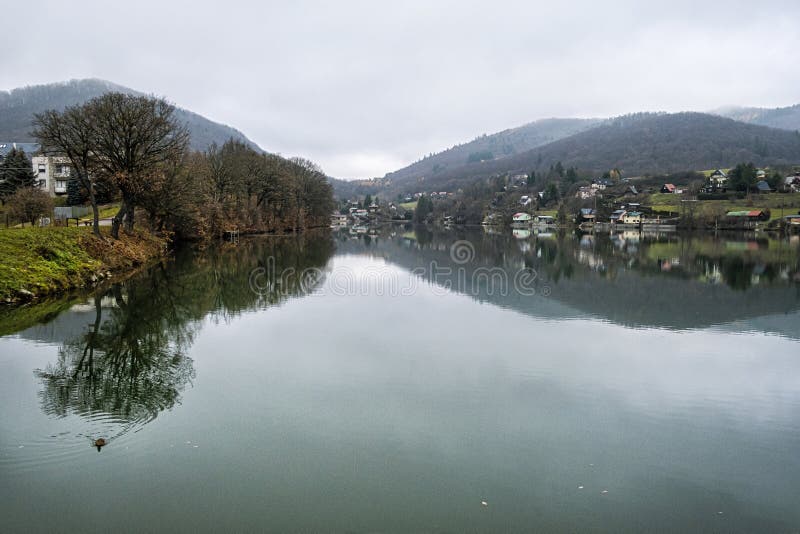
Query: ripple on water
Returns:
{"type": "Point", "coordinates": [65, 446]}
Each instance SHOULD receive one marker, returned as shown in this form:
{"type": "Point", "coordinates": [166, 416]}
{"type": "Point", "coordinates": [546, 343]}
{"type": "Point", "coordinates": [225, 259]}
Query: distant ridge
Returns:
{"type": "Point", "coordinates": [787, 118]}
{"type": "Point", "coordinates": [495, 146]}
{"type": "Point", "coordinates": [18, 106]}
{"type": "Point", "coordinates": [642, 143]}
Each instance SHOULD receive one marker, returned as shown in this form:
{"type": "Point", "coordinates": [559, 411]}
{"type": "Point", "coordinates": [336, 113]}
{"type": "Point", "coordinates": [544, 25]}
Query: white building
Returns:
{"type": "Point", "coordinates": [53, 173]}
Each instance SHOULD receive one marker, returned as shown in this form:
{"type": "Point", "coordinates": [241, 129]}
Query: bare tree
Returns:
{"type": "Point", "coordinates": [69, 134]}
{"type": "Point", "coordinates": [132, 136]}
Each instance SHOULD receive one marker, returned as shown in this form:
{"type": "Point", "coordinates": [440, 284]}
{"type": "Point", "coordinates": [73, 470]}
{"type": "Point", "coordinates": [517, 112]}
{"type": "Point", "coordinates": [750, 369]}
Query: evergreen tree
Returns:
{"type": "Point", "coordinates": [76, 195]}
{"type": "Point", "coordinates": [15, 173]}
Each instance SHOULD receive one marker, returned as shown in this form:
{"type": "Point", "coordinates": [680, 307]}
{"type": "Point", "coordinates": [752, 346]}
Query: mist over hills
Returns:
{"type": "Point", "coordinates": [786, 118]}
{"type": "Point", "coordinates": [18, 106]}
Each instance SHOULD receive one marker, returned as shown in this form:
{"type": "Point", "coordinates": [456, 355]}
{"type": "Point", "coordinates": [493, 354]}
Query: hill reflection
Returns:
{"type": "Point", "coordinates": [663, 281]}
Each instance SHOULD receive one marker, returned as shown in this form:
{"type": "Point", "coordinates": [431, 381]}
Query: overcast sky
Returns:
{"type": "Point", "coordinates": [364, 88]}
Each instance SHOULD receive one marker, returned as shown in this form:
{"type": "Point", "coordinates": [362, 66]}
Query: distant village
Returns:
{"type": "Point", "coordinates": [713, 199]}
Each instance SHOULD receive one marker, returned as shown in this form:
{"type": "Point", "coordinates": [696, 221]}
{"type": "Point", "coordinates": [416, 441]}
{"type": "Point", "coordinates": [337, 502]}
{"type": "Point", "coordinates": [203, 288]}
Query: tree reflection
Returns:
{"type": "Point", "coordinates": [131, 362]}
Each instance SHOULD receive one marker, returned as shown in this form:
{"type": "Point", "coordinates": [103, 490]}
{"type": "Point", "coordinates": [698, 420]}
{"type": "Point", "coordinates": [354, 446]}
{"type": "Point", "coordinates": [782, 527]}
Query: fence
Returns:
{"type": "Point", "coordinates": [65, 213]}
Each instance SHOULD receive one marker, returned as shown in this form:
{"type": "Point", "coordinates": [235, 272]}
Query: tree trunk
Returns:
{"type": "Point", "coordinates": [95, 213]}
{"type": "Point", "coordinates": [116, 222]}
{"type": "Point", "coordinates": [129, 222]}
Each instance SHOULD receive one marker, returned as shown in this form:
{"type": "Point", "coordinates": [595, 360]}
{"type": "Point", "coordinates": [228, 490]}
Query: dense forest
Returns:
{"type": "Point", "coordinates": [17, 108]}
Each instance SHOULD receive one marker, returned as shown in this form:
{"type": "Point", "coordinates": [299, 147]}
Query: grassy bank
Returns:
{"type": "Point", "coordinates": [42, 261]}
{"type": "Point", "coordinates": [779, 204]}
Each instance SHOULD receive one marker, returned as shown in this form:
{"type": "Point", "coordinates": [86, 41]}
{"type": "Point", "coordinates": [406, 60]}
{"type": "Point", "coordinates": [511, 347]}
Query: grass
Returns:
{"type": "Point", "coordinates": [409, 206]}
{"type": "Point", "coordinates": [775, 202]}
{"type": "Point", "coordinates": [50, 260]}
{"type": "Point", "coordinates": [551, 213]}
{"type": "Point", "coordinates": [106, 212]}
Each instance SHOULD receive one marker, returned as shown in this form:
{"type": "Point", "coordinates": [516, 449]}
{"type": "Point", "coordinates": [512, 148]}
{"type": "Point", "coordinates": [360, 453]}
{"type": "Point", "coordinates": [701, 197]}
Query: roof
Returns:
{"type": "Point", "coordinates": [29, 148]}
{"type": "Point", "coordinates": [746, 213]}
{"type": "Point", "coordinates": [587, 211]}
{"type": "Point", "coordinates": [670, 187]}
{"type": "Point", "coordinates": [718, 172]}
{"type": "Point", "coordinates": [521, 216]}
{"type": "Point", "coordinates": [763, 186]}
{"type": "Point", "coordinates": [634, 214]}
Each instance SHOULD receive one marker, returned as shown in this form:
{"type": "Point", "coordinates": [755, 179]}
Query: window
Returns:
{"type": "Point", "coordinates": [62, 170]}
{"type": "Point", "coordinates": [42, 168]}
{"type": "Point", "coordinates": [61, 186]}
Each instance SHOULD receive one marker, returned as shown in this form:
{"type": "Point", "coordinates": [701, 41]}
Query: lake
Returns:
{"type": "Point", "coordinates": [414, 380]}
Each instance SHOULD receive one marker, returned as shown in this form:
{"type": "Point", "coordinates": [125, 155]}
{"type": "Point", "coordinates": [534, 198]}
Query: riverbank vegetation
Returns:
{"type": "Point", "coordinates": [41, 261]}
{"type": "Point", "coordinates": [132, 154]}
{"type": "Point", "coordinates": [134, 150]}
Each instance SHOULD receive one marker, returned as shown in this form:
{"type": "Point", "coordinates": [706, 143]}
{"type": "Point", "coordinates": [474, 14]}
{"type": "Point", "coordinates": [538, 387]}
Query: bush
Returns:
{"type": "Point", "coordinates": [28, 204]}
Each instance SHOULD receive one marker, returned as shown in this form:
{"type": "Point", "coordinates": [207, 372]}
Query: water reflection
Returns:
{"type": "Point", "coordinates": [130, 362]}
{"type": "Point", "coordinates": [630, 278]}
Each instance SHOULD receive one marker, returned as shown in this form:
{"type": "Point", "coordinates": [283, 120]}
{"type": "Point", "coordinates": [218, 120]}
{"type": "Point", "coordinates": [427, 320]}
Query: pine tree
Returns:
{"type": "Point", "coordinates": [15, 172]}
{"type": "Point", "coordinates": [76, 195]}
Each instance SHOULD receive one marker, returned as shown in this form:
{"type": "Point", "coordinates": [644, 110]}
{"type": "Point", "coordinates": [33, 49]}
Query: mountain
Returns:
{"type": "Point", "coordinates": [787, 118]}
{"type": "Point", "coordinates": [18, 106]}
{"type": "Point", "coordinates": [494, 147]}
{"type": "Point", "coordinates": [644, 143]}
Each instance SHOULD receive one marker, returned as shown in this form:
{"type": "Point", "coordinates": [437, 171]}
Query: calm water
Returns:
{"type": "Point", "coordinates": [392, 382]}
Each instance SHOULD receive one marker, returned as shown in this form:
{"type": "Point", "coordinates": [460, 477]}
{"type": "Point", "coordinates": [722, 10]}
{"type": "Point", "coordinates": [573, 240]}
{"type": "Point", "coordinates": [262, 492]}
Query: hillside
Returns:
{"type": "Point", "coordinates": [18, 106]}
{"type": "Point", "coordinates": [645, 143]}
{"type": "Point", "coordinates": [787, 118]}
{"type": "Point", "coordinates": [497, 146]}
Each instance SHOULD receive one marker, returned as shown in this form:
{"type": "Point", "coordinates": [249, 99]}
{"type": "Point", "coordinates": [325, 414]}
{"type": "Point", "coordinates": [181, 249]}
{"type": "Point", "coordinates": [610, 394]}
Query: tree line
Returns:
{"type": "Point", "coordinates": [134, 149]}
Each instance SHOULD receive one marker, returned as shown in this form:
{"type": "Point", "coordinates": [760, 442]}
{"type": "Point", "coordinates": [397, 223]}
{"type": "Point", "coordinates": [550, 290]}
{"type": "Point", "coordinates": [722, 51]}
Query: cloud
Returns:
{"type": "Point", "coordinates": [365, 87]}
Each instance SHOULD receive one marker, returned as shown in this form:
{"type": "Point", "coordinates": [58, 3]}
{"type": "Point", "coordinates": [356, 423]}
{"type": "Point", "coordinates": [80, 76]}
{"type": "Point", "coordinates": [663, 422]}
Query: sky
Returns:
{"type": "Point", "coordinates": [365, 88]}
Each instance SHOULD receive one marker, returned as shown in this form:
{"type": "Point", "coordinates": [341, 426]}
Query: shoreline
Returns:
{"type": "Point", "coordinates": [41, 263]}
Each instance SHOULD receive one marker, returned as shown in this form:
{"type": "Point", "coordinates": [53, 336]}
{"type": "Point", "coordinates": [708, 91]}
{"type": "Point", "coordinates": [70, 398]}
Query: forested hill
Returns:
{"type": "Point", "coordinates": [18, 106]}
{"type": "Point", "coordinates": [638, 144]}
{"type": "Point", "coordinates": [787, 118]}
{"type": "Point", "coordinates": [495, 146]}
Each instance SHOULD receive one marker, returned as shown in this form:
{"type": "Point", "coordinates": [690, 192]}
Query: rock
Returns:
{"type": "Point", "coordinates": [93, 279]}
{"type": "Point", "coordinates": [25, 294]}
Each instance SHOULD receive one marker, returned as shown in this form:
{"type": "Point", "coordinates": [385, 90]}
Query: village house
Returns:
{"type": "Point", "coordinates": [763, 187]}
{"type": "Point", "coordinates": [631, 191]}
{"type": "Point", "coordinates": [632, 217]}
{"type": "Point", "coordinates": [617, 216]}
{"type": "Point", "coordinates": [521, 219]}
{"type": "Point", "coordinates": [668, 188]}
{"type": "Point", "coordinates": [585, 192]}
{"type": "Point", "coordinates": [718, 178]}
{"type": "Point", "coordinates": [792, 183]}
{"type": "Point", "coordinates": [338, 219]}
